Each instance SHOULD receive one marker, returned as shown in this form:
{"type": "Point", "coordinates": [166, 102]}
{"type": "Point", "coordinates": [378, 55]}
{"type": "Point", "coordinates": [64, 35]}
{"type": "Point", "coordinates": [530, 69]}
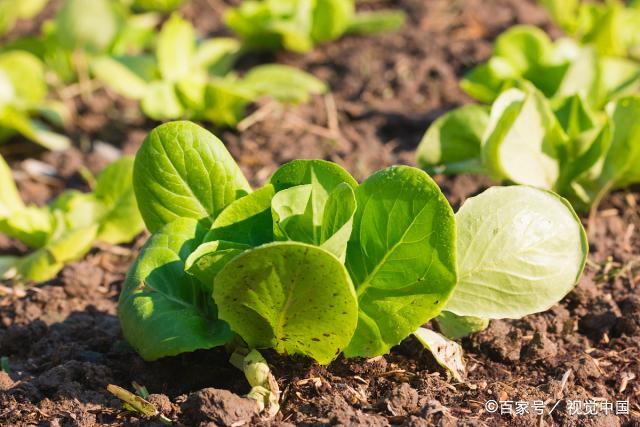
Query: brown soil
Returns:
{"type": "Point", "coordinates": [63, 341]}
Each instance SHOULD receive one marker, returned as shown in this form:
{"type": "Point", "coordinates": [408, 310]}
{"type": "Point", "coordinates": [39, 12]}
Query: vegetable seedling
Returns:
{"type": "Point", "coordinates": [23, 95]}
{"type": "Point", "coordinates": [524, 138]}
{"type": "Point", "coordinates": [186, 79]}
{"type": "Point", "coordinates": [611, 26]}
{"type": "Point", "coordinates": [66, 229]}
{"type": "Point", "coordinates": [558, 69]}
{"type": "Point", "coordinates": [314, 263]}
{"type": "Point", "coordinates": [300, 25]}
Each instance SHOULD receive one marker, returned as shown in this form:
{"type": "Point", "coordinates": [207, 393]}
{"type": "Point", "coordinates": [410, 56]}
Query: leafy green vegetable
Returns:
{"type": "Point", "coordinates": [22, 95]}
{"type": "Point", "coordinates": [609, 26]}
{"type": "Point", "coordinates": [315, 264]}
{"type": "Point", "coordinates": [401, 257]}
{"type": "Point", "coordinates": [520, 250]}
{"type": "Point", "coordinates": [66, 229]}
{"type": "Point", "coordinates": [454, 141]}
{"type": "Point", "coordinates": [186, 79]}
{"type": "Point", "coordinates": [558, 69]}
{"type": "Point", "coordinates": [562, 145]}
{"type": "Point", "coordinates": [162, 309]}
{"type": "Point", "coordinates": [183, 171]}
{"type": "Point", "coordinates": [86, 25]}
{"type": "Point", "coordinates": [276, 296]}
{"type": "Point", "coordinates": [300, 25]}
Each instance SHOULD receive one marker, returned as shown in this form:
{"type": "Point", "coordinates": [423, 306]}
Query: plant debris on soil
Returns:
{"type": "Point", "coordinates": [62, 339]}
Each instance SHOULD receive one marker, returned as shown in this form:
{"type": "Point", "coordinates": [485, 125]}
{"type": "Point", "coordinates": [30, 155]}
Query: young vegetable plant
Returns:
{"type": "Point", "coordinates": [298, 25]}
{"type": "Point", "coordinates": [185, 79]}
{"type": "Point", "coordinates": [23, 95]}
{"type": "Point", "coordinates": [66, 229]}
{"type": "Point", "coordinates": [611, 26]}
{"type": "Point", "coordinates": [83, 30]}
{"type": "Point", "coordinates": [558, 69]}
{"type": "Point", "coordinates": [525, 138]}
{"type": "Point", "coordinates": [314, 263]}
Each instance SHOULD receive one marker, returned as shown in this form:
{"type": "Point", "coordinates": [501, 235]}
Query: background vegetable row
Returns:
{"type": "Point", "coordinates": [177, 76]}
{"type": "Point", "coordinates": [564, 115]}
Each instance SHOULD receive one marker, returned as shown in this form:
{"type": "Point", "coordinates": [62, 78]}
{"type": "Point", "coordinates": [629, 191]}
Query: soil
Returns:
{"type": "Point", "coordinates": [62, 339]}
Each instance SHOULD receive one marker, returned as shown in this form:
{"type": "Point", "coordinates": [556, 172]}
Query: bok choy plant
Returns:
{"type": "Point", "coordinates": [23, 95]}
{"type": "Point", "coordinates": [611, 26]}
{"type": "Point", "coordinates": [526, 139]}
{"type": "Point", "coordinates": [186, 79]}
{"type": "Point", "coordinates": [66, 229]}
{"type": "Point", "coordinates": [314, 263]}
{"type": "Point", "coordinates": [558, 69]}
{"type": "Point", "coordinates": [298, 25]}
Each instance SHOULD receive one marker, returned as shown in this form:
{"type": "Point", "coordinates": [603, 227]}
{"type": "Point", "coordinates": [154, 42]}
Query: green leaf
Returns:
{"type": "Point", "coordinates": [226, 101]}
{"type": "Point", "coordinates": [331, 18]}
{"type": "Point", "coordinates": [453, 142]}
{"type": "Point", "coordinates": [246, 220]}
{"type": "Point", "coordinates": [305, 213]}
{"type": "Point", "coordinates": [120, 221]}
{"type": "Point", "coordinates": [184, 171]}
{"type": "Point", "coordinates": [564, 12]}
{"type": "Point", "coordinates": [9, 198]}
{"type": "Point", "coordinates": [524, 47]}
{"type": "Point", "coordinates": [486, 81]}
{"type": "Point", "coordinates": [26, 74]}
{"type": "Point", "coordinates": [455, 327]}
{"type": "Point", "coordinates": [337, 220]}
{"type": "Point", "coordinates": [520, 250]}
{"type": "Point", "coordinates": [377, 21]}
{"type": "Point", "coordinates": [620, 77]}
{"type": "Point", "coordinates": [523, 139]}
{"type": "Point", "coordinates": [447, 353]}
{"type": "Point", "coordinates": [292, 297]}
{"type": "Point", "coordinates": [162, 309]}
{"type": "Point", "coordinates": [284, 83]}
{"type": "Point", "coordinates": [622, 162]}
{"type": "Point", "coordinates": [31, 225]}
{"type": "Point", "coordinates": [45, 263]}
{"type": "Point", "coordinates": [7, 265]}
{"type": "Point", "coordinates": [161, 101]}
{"type": "Point", "coordinates": [19, 121]}
{"type": "Point", "coordinates": [300, 172]}
{"type": "Point", "coordinates": [157, 5]}
{"type": "Point", "coordinates": [294, 216]}
{"type": "Point", "coordinates": [209, 258]}
{"type": "Point", "coordinates": [401, 257]}
{"type": "Point", "coordinates": [175, 49]}
{"type": "Point", "coordinates": [127, 76]}
{"type": "Point", "coordinates": [89, 25]}
{"type": "Point", "coordinates": [217, 55]}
